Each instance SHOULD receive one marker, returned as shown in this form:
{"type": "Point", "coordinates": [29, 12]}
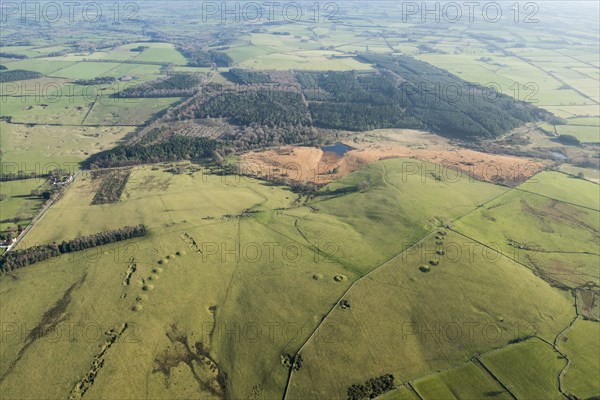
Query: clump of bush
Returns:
{"type": "Point", "coordinates": [372, 388]}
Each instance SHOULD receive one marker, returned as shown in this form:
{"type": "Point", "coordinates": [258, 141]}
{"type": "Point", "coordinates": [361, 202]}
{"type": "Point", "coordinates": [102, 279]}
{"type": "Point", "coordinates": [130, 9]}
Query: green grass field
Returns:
{"type": "Point", "coordinates": [469, 382]}
{"type": "Point", "coordinates": [431, 320]}
{"type": "Point", "coordinates": [117, 111]}
{"type": "Point", "coordinates": [530, 369]}
{"type": "Point", "coordinates": [43, 147]}
{"type": "Point", "coordinates": [564, 188]}
{"type": "Point", "coordinates": [581, 344]}
{"type": "Point", "coordinates": [19, 205]}
{"type": "Point", "coordinates": [157, 199]}
{"type": "Point", "coordinates": [401, 393]}
{"type": "Point", "coordinates": [457, 288]}
{"type": "Point", "coordinates": [539, 232]}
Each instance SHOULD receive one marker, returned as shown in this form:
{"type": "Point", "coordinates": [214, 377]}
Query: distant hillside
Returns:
{"type": "Point", "coordinates": [270, 108]}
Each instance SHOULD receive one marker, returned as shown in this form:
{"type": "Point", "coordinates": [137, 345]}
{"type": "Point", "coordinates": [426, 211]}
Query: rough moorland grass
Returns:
{"type": "Point", "coordinates": [556, 239]}
{"type": "Point", "coordinates": [581, 344]}
{"type": "Point", "coordinates": [409, 323]}
{"type": "Point", "coordinates": [530, 369]}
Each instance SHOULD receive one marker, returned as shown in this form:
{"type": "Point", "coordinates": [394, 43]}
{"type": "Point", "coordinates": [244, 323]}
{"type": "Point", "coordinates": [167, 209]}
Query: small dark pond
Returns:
{"type": "Point", "coordinates": [339, 148]}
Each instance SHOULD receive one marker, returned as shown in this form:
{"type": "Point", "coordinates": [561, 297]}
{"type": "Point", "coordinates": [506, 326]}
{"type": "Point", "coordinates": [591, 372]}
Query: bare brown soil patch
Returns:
{"type": "Point", "coordinates": [309, 164]}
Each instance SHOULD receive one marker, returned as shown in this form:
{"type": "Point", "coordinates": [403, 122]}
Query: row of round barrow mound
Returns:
{"type": "Point", "coordinates": [434, 262]}
{"type": "Point", "coordinates": [148, 283]}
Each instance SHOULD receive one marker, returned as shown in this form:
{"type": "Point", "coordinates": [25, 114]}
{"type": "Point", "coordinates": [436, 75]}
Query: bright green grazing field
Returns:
{"type": "Point", "coordinates": [470, 381]}
{"type": "Point", "coordinates": [19, 205]}
{"type": "Point", "coordinates": [529, 369]}
{"type": "Point", "coordinates": [402, 204]}
{"type": "Point", "coordinates": [581, 344]}
{"type": "Point", "coordinates": [565, 188]}
{"type": "Point", "coordinates": [434, 317]}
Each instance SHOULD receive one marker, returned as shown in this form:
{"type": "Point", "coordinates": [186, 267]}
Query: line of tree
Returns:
{"type": "Point", "coordinates": [18, 75]}
{"type": "Point", "coordinates": [4, 54]}
{"type": "Point", "coordinates": [569, 140]}
{"type": "Point", "coordinates": [175, 148]}
{"type": "Point", "coordinates": [100, 80]}
{"type": "Point", "coordinates": [175, 85]}
{"type": "Point", "coordinates": [11, 176]}
{"type": "Point", "coordinates": [21, 258]}
{"type": "Point", "coordinates": [2, 67]}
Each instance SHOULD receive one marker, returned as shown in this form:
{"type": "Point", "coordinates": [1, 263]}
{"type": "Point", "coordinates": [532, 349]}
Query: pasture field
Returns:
{"type": "Point", "coordinates": [46, 109]}
{"type": "Point", "coordinates": [539, 232]}
{"type": "Point", "coordinates": [86, 70]}
{"type": "Point", "coordinates": [157, 199]}
{"type": "Point", "coordinates": [435, 317]}
{"type": "Point", "coordinates": [530, 369]}
{"type": "Point", "coordinates": [143, 72]}
{"type": "Point", "coordinates": [403, 202]}
{"type": "Point", "coordinates": [469, 382]}
{"type": "Point", "coordinates": [118, 111]}
{"type": "Point", "coordinates": [160, 52]}
{"type": "Point", "coordinates": [585, 134]}
{"type": "Point", "coordinates": [594, 121]}
{"type": "Point", "coordinates": [565, 188]}
{"type": "Point", "coordinates": [192, 210]}
{"type": "Point", "coordinates": [581, 345]}
{"type": "Point", "coordinates": [590, 174]}
{"type": "Point", "coordinates": [43, 147]}
{"type": "Point", "coordinates": [19, 207]}
{"type": "Point", "coordinates": [44, 66]}
{"type": "Point", "coordinates": [400, 393]}
{"type": "Point", "coordinates": [40, 87]}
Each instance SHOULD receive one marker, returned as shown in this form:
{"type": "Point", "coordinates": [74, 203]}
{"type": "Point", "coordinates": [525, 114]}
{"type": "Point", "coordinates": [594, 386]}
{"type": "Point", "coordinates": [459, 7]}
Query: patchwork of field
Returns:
{"type": "Point", "coordinates": [224, 238]}
{"type": "Point", "coordinates": [466, 274]}
{"type": "Point", "coordinates": [530, 369]}
{"type": "Point", "coordinates": [434, 317]}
